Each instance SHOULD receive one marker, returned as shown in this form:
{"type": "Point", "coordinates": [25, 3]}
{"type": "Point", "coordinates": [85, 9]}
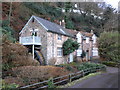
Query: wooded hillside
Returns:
{"type": "Point", "coordinates": [92, 15]}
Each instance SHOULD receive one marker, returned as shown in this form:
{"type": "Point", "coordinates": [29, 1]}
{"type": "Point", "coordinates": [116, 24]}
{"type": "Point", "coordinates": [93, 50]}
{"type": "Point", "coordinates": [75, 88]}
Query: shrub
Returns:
{"type": "Point", "coordinates": [15, 55]}
{"type": "Point", "coordinates": [33, 74]}
{"type": "Point", "coordinates": [85, 65]}
{"type": "Point", "coordinates": [7, 31]}
{"type": "Point", "coordinates": [50, 83]}
{"type": "Point", "coordinates": [109, 46]}
{"type": "Point", "coordinates": [75, 67]}
{"type": "Point", "coordinates": [9, 86]}
{"type": "Point", "coordinates": [69, 24]}
{"type": "Point", "coordinates": [70, 46]}
{"type": "Point", "coordinates": [7, 66]}
{"type": "Point", "coordinates": [111, 63]}
{"type": "Point", "coordinates": [7, 34]}
{"type": "Point", "coordinates": [69, 68]}
{"type": "Point", "coordinates": [4, 23]}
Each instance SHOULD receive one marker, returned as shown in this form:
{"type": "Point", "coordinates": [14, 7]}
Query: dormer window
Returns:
{"type": "Point", "coordinates": [59, 37]}
{"type": "Point", "coordinates": [79, 38]}
{"type": "Point", "coordinates": [94, 38]}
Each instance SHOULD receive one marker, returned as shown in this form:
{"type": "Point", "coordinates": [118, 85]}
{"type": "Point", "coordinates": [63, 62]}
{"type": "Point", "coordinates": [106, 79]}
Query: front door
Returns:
{"type": "Point", "coordinates": [87, 55]}
{"type": "Point", "coordinates": [71, 57]}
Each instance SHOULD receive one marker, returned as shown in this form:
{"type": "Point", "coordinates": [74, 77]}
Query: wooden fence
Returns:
{"type": "Point", "coordinates": [64, 79]}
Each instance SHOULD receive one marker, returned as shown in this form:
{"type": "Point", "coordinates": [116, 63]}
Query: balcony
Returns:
{"type": "Point", "coordinates": [30, 40]}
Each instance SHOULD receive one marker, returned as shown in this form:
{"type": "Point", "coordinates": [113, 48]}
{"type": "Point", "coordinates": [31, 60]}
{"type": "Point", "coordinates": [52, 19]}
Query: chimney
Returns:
{"type": "Point", "coordinates": [63, 23]}
{"type": "Point", "coordinates": [60, 23]}
{"type": "Point", "coordinates": [91, 32]}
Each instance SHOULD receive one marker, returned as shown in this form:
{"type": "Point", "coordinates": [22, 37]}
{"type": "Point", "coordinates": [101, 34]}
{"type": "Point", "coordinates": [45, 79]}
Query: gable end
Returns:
{"type": "Point", "coordinates": [29, 21]}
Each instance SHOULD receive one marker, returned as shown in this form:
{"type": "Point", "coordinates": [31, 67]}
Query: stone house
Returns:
{"type": "Point", "coordinates": [87, 42]}
{"type": "Point", "coordinates": [45, 39]}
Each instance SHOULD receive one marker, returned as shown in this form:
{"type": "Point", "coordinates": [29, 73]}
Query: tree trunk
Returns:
{"type": "Point", "coordinates": [10, 12]}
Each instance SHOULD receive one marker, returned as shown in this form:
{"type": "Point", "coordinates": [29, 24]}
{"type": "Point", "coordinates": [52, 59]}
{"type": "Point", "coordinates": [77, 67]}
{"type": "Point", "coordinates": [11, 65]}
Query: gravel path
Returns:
{"type": "Point", "coordinates": [104, 80]}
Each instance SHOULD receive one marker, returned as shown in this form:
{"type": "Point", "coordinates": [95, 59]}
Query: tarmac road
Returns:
{"type": "Point", "coordinates": [108, 79]}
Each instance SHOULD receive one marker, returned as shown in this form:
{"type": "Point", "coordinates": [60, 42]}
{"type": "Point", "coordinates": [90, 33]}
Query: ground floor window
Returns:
{"type": "Point", "coordinates": [59, 52]}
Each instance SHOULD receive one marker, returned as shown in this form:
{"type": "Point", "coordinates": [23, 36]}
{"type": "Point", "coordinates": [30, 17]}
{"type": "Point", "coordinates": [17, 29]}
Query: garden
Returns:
{"type": "Point", "coordinates": [19, 70]}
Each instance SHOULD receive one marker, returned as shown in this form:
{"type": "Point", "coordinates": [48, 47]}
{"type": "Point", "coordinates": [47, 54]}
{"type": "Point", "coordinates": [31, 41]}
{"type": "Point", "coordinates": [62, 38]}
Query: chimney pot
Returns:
{"type": "Point", "coordinates": [63, 23]}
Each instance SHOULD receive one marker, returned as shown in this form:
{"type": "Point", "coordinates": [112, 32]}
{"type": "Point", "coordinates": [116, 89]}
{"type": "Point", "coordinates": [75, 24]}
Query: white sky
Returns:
{"type": "Point", "coordinates": [114, 3]}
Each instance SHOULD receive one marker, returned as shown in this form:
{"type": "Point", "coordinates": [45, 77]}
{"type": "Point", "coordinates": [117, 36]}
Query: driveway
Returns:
{"type": "Point", "coordinates": [108, 79]}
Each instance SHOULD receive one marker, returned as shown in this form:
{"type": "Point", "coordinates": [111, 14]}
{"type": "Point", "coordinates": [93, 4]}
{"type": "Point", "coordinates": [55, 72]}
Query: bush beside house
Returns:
{"type": "Point", "coordinates": [69, 46]}
{"type": "Point", "coordinates": [109, 47]}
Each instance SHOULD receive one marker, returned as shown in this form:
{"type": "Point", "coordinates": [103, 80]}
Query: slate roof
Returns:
{"type": "Point", "coordinates": [86, 34]}
{"type": "Point", "coordinates": [53, 27]}
{"type": "Point", "coordinates": [72, 32]}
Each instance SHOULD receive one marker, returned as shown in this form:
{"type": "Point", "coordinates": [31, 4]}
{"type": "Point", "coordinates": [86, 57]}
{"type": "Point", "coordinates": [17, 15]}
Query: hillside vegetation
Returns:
{"type": "Point", "coordinates": [17, 65]}
{"type": "Point", "coordinates": [95, 16]}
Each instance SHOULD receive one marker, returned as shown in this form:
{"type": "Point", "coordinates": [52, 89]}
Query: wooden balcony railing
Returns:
{"type": "Point", "coordinates": [30, 40]}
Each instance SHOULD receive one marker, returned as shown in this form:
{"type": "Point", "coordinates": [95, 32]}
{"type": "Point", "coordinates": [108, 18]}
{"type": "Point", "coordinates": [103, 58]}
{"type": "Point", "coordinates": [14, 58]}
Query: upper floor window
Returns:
{"type": "Point", "coordinates": [87, 39]}
{"type": "Point", "coordinates": [79, 40]}
{"type": "Point", "coordinates": [34, 32]}
{"type": "Point", "coordinates": [59, 37]}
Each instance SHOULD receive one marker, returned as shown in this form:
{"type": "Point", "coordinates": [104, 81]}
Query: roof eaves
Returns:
{"type": "Point", "coordinates": [25, 25]}
{"type": "Point", "coordinates": [61, 33]}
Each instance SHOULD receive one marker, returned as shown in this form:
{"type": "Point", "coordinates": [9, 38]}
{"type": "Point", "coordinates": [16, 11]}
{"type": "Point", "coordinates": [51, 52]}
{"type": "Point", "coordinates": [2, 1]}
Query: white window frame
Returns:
{"type": "Point", "coordinates": [59, 37]}
{"type": "Point", "coordinates": [79, 38]}
{"type": "Point", "coordinates": [59, 52]}
{"type": "Point", "coordinates": [79, 52]}
{"type": "Point", "coordinates": [94, 38]}
{"type": "Point", "coordinates": [87, 39]}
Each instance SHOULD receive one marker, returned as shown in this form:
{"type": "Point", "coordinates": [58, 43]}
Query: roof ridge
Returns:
{"type": "Point", "coordinates": [47, 20]}
{"type": "Point", "coordinates": [51, 26]}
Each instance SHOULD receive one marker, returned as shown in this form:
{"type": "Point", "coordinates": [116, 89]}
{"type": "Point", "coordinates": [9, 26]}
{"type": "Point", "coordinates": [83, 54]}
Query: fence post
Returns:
{"type": "Point", "coordinates": [70, 78]}
{"type": "Point", "coordinates": [83, 72]}
{"type": "Point", "coordinates": [52, 80]}
{"type": "Point", "coordinates": [95, 69]}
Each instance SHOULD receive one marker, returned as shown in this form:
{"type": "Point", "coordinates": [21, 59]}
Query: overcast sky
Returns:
{"type": "Point", "coordinates": [114, 3]}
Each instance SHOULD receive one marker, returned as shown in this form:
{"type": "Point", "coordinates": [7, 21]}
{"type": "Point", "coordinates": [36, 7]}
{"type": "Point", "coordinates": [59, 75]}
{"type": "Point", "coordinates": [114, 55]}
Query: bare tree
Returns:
{"type": "Point", "coordinates": [9, 18]}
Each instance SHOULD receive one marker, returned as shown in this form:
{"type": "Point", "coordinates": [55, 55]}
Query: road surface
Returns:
{"type": "Point", "coordinates": [108, 79]}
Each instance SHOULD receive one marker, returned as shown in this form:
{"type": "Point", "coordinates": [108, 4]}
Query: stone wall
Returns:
{"type": "Point", "coordinates": [52, 44]}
